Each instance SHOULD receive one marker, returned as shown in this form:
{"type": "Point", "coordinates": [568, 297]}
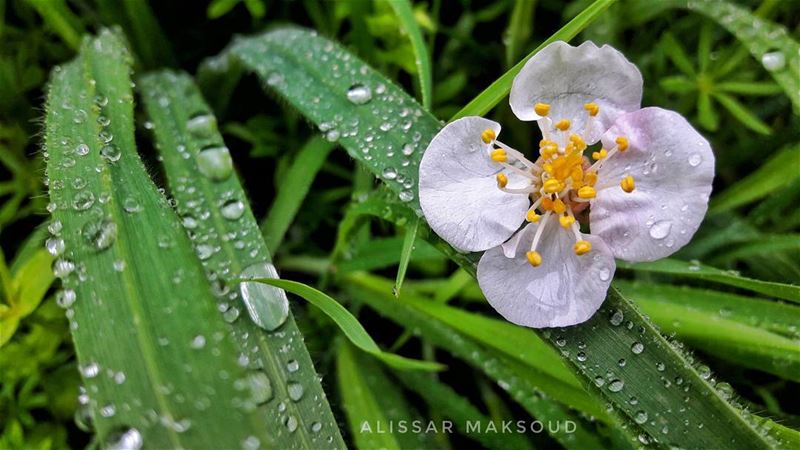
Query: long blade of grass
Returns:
{"type": "Point", "coordinates": [405, 14]}
{"type": "Point", "coordinates": [699, 271]}
{"type": "Point", "coordinates": [215, 213]}
{"type": "Point", "coordinates": [293, 191]}
{"type": "Point", "coordinates": [405, 256]}
{"type": "Point", "coordinates": [500, 88]}
{"type": "Point", "coordinates": [140, 309]}
{"type": "Point", "coordinates": [324, 82]}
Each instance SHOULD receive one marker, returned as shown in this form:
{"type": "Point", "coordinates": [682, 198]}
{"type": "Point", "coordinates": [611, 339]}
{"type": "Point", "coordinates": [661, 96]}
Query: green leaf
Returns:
{"type": "Point", "coordinates": [405, 15]}
{"type": "Point", "coordinates": [770, 43]}
{"type": "Point", "coordinates": [677, 55]}
{"type": "Point", "coordinates": [678, 84]}
{"type": "Point", "coordinates": [349, 325]}
{"type": "Point", "coordinates": [405, 256]}
{"type": "Point", "coordinates": [33, 280]}
{"type": "Point", "coordinates": [676, 310]}
{"type": "Point", "coordinates": [779, 171]}
{"type": "Point", "coordinates": [706, 113]}
{"type": "Point", "coordinates": [293, 190]}
{"type": "Point", "coordinates": [500, 88]}
{"type": "Point", "coordinates": [519, 29]}
{"type": "Point", "coordinates": [280, 367]}
{"type": "Point", "coordinates": [137, 319]}
{"type": "Point", "coordinates": [702, 272]}
{"type": "Point", "coordinates": [303, 67]}
{"type": "Point", "coordinates": [57, 15]}
{"type": "Point", "coordinates": [749, 87]}
{"type": "Point", "coordinates": [741, 113]}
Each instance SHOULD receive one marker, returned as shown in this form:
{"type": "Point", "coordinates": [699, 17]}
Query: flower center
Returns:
{"type": "Point", "coordinates": [562, 181]}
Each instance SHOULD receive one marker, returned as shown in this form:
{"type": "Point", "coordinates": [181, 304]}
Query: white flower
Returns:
{"type": "Point", "coordinates": [646, 193]}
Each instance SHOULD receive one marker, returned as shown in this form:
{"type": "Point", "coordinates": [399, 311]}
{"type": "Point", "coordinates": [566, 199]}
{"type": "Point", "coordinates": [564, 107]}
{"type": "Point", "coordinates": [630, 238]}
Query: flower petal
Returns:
{"type": "Point", "coordinates": [564, 290]}
{"type": "Point", "coordinates": [568, 77]}
{"type": "Point", "coordinates": [458, 191]}
{"type": "Point", "coordinates": [673, 167]}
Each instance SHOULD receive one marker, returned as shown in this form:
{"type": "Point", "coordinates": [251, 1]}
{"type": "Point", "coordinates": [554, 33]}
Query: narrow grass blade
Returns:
{"type": "Point", "coordinates": [519, 29]}
{"type": "Point", "coordinates": [779, 171]}
{"type": "Point", "coordinates": [325, 82]}
{"type": "Point", "coordinates": [702, 272]}
{"type": "Point", "coordinates": [405, 14]}
{"type": "Point", "coordinates": [349, 325]}
{"type": "Point", "coordinates": [739, 111]}
{"type": "Point", "coordinates": [57, 15]}
{"type": "Point", "coordinates": [461, 413]}
{"type": "Point", "coordinates": [405, 256]}
{"type": "Point", "coordinates": [293, 191]}
{"type": "Point", "coordinates": [214, 211]}
{"type": "Point", "coordinates": [372, 402]}
{"type": "Point", "coordinates": [140, 309]}
{"type": "Point", "coordinates": [500, 88]}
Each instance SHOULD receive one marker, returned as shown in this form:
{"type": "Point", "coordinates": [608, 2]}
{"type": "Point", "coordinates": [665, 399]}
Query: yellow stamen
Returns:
{"type": "Point", "coordinates": [534, 258]}
{"type": "Point", "coordinates": [566, 221]}
{"type": "Point", "coordinates": [622, 143]}
{"type": "Point", "coordinates": [559, 207]}
{"type": "Point", "coordinates": [546, 143]}
{"type": "Point", "coordinates": [627, 184]}
{"type": "Point", "coordinates": [582, 247]}
{"type": "Point", "coordinates": [542, 109]}
{"type": "Point", "coordinates": [563, 124]}
{"type": "Point", "coordinates": [590, 178]}
{"type": "Point", "coordinates": [548, 168]}
{"type": "Point", "coordinates": [587, 192]}
{"type": "Point", "coordinates": [593, 108]}
{"type": "Point", "coordinates": [580, 144]}
{"type": "Point", "coordinates": [488, 136]}
{"type": "Point", "coordinates": [548, 151]}
{"type": "Point", "coordinates": [576, 174]}
{"type": "Point", "coordinates": [552, 186]}
{"type": "Point", "coordinates": [599, 155]}
{"type": "Point", "coordinates": [502, 180]}
{"type": "Point", "coordinates": [499, 155]}
{"type": "Point", "coordinates": [532, 216]}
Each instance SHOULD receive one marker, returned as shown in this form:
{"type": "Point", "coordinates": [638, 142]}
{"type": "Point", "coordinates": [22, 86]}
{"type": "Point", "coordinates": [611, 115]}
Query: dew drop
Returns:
{"type": "Point", "coordinates": [359, 94]}
{"type": "Point", "coordinates": [604, 274]}
{"type": "Point", "coordinates": [617, 318]}
{"type": "Point", "coordinates": [316, 427]}
{"type": "Point", "coordinates": [63, 267]}
{"type": "Point", "coordinates": [660, 229]}
{"type": "Point", "coordinates": [251, 443]}
{"type": "Point", "coordinates": [198, 342]}
{"type": "Point", "coordinates": [616, 385]}
{"type": "Point", "coordinates": [267, 306]}
{"type": "Point", "coordinates": [291, 423]}
{"type": "Point", "coordinates": [202, 125]}
{"type": "Point", "coordinates": [82, 149]}
{"type": "Point", "coordinates": [640, 417]}
{"type": "Point", "coordinates": [231, 315]}
{"type": "Point", "coordinates": [65, 298]}
{"type": "Point", "coordinates": [637, 348]}
{"type": "Point", "coordinates": [111, 152]}
{"type": "Point", "coordinates": [695, 159]}
{"type": "Point", "coordinates": [54, 246]}
{"type": "Point", "coordinates": [260, 388]}
{"type": "Point", "coordinates": [90, 370]}
{"type": "Point", "coordinates": [773, 61]}
{"type": "Point", "coordinates": [295, 391]}
{"type": "Point", "coordinates": [55, 227]}
{"type": "Point", "coordinates": [83, 201]}
{"type": "Point", "coordinates": [215, 163]}
{"type": "Point", "coordinates": [232, 209]}
{"type": "Point", "coordinates": [406, 195]}
{"type": "Point", "coordinates": [130, 205]}
{"type": "Point", "coordinates": [389, 173]}
{"type": "Point", "coordinates": [293, 366]}
{"type": "Point", "coordinates": [100, 234]}
{"type": "Point", "coordinates": [126, 439]}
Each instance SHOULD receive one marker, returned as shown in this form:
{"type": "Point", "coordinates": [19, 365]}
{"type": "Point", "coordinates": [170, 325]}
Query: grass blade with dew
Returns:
{"type": "Point", "coordinates": [386, 130]}
{"type": "Point", "coordinates": [158, 362]}
{"type": "Point", "coordinates": [405, 14]}
{"type": "Point", "coordinates": [216, 215]}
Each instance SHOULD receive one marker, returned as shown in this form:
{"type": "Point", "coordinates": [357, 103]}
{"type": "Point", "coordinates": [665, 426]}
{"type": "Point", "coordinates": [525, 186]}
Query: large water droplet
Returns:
{"type": "Point", "coordinates": [65, 298]}
{"type": "Point", "coordinates": [126, 439]}
{"type": "Point", "coordinates": [111, 152]}
{"type": "Point", "coordinates": [295, 391]}
{"type": "Point", "coordinates": [54, 246]}
{"type": "Point", "coordinates": [359, 94]}
{"type": "Point", "coordinates": [202, 125]}
{"type": "Point", "coordinates": [640, 417]}
{"type": "Point", "coordinates": [83, 200]}
{"type": "Point", "coordinates": [215, 163]}
{"type": "Point", "coordinates": [660, 229]}
{"type": "Point", "coordinates": [616, 385]}
{"type": "Point", "coordinates": [773, 61]}
{"type": "Point", "coordinates": [637, 348]}
{"type": "Point", "coordinates": [260, 388]}
{"type": "Point", "coordinates": [232, 209]}
{"type": "Point", "coordinates": [99, 233]}
{"type": "Point", "coordinates": [267, 306]}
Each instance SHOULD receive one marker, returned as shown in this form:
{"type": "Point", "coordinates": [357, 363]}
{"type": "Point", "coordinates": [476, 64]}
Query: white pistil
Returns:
{"type": "Point", "coordinates": [516, 154]}
{"type": "Point", "coordinates": [599, 163]}
{"type": "Point", "coordinates": [545, 125]}
{"type": "Point", "coordinates": [518, 171]}
{"type": "Point", "coordinates": [577, 232]}
{"type": "Point", "coordinates": [526, 190]}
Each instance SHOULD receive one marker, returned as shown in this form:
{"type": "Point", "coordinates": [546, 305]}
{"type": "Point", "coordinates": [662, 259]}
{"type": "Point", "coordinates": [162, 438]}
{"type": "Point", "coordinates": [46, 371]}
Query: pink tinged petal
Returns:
{"type": "Point", "coordinates": [568, 77]}
{"type": "Point", "coordinates": [564, 290]}
{"type": "Point", "coordinates": [458, 190]}
{"type": "Point", "coordinates": [673, 167]}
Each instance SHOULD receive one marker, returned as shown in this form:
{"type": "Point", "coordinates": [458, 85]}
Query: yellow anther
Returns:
{"type": "Point", "coordinates": [580, 144]}
{"type": "Point", "coordinates": [627, 184]}
{"type": "Point", "coordinates": [502, 180]}
{"type": "Point", "coordinates": [552, 186]}
{"type": "Point", "coordinates": [542, 109]}
{"type": "Point", "coordinates": [587, 192]}
{"type": "Point", "coordinates": [548, 151]}
{"type": "Point", "coordinates": [582, 247]}
{"type": "Point", "coordinates": [590, 178]}
{"type": "Point", "coordinates": [546, 143]}
{"type": "Point", "coordinates": [534, 258]}
{"type": "Point", "coordinates": [547, 204]}
{"type": "Point", "coordinates": [548, 168]}
{"type": "Point", "coordinates": [566, 221]}
{"type": "Point", "coordinates": [499, 155]}
{"type": "Point", "coordinates": [622, 143]}
{"type": "Point", "coordinates": [532, 216]}
{"type": "Point", "coordinates": [488, 136]}
{"type": "Point", "coordinates": [599, 155]}
{"type": "Point", "coordinates": [559, 207]}
{"type": "Point", "coordinates": [563, 124]}
{"type": "Point", "coordinates": [593, 108]}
